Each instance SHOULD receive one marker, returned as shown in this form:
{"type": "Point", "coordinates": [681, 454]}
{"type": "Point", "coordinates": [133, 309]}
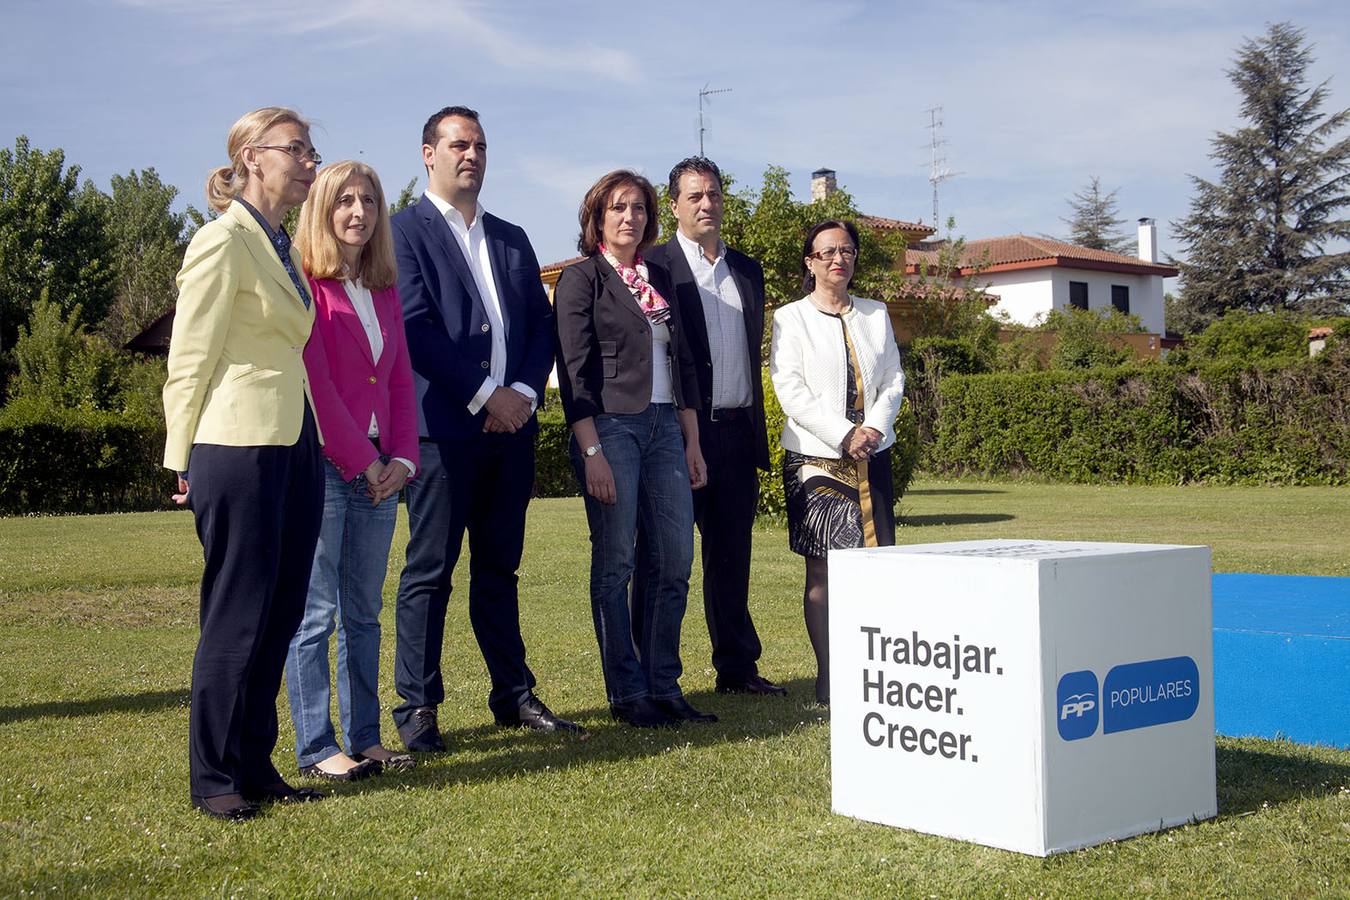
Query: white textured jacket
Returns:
{"type": "Point", "coordinates": [808, 364]}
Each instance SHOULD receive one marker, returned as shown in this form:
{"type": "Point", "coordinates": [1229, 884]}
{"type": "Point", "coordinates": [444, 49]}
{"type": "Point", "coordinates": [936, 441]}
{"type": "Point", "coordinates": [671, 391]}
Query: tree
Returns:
{"type": "Point", "coordinates": [147, 242]}
{"type": "Point", "coordinates": [1257, 238]}
{"type": "Point", "coordinates": [406, 197]}
{"type": "Point", "coordinates": [60, 366]}
{"type": "Point", "coordinates": [52, 239]}
{"type": "Point", "coordinates": [1095, 221]}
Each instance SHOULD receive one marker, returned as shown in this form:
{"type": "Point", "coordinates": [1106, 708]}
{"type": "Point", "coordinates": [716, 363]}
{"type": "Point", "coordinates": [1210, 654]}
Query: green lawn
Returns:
{"type": "Point", "coordinates": [97, 628]}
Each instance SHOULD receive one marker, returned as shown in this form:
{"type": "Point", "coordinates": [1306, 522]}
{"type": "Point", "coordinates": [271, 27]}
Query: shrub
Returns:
{"type": "Point", "coordinates": [1151, 424]}
{"type": "Point", "coordinates": [56, 460]}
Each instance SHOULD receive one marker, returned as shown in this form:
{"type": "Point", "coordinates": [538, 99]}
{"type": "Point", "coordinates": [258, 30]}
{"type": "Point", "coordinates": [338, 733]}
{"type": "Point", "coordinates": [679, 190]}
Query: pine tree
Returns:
{"type": "Point", "coordinates": [1096, 222]}
{"type": "Point", "coordinates": [1258, 237]}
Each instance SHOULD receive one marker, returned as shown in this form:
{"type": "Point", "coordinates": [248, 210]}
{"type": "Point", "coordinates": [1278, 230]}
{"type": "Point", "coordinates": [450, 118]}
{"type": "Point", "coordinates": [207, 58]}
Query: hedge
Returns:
{"type": "Point", "coordinates": [1149, 424]}
{"type": "Point", "coordinates": [76, 461]}
{"type": "Point", "coordinates": [79, 461]}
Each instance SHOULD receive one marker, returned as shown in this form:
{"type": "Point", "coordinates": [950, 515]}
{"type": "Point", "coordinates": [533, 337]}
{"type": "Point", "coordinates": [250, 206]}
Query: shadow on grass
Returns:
{"type": "Point", "coordinates": [952, 492]}
{"type": "Point", "coordinates": [148, 701]}
{"type": "Point", "coordinates": [954, 519]}
{"type": "Point", "coordinates": [513, 752]}
{"type": "Point", "coordinates": [1249, 778]}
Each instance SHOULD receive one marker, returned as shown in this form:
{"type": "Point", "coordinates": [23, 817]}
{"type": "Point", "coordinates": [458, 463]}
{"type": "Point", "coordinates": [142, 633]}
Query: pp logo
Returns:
{"type": "Point", "coordinates": [1076, 705]}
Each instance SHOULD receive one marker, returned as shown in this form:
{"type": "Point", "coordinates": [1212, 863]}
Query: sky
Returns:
{"type": "Point", "coordinates": [1036, 97]}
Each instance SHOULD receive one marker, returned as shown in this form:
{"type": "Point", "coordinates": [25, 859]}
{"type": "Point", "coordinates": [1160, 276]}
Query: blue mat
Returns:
{"type": "Point", "coordinates": [1282, 657]}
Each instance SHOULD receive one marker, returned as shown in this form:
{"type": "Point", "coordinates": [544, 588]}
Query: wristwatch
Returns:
{"type": "Point", "coordinates": [591, 450]}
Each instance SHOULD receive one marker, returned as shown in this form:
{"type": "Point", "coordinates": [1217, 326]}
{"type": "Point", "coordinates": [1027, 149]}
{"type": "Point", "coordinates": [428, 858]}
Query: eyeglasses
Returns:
{"type": "Point", "coordinates": [296, 150]}
{"type": "Point", "coordinates": [848, 254]}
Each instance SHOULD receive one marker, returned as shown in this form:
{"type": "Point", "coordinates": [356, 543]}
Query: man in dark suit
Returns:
{"type": "Point", "coordinates": [720, 295]}
{"type": "Point", "coordinates": [480, 338]}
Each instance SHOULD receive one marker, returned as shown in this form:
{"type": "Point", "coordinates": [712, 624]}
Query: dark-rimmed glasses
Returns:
{"type": "Point", "coordinates": [848, 254]}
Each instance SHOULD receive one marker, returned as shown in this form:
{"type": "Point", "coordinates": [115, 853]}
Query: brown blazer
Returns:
{"type": "Point", "coordinates": [604, 343]}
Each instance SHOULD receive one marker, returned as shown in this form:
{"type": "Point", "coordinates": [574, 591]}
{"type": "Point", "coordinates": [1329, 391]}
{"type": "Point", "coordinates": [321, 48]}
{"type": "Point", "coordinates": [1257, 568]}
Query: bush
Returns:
{"type": "Point", "coordinates": [62, 367]}
{"type": "Point", "coordinates": [78, 461]}
{"type": "Point", "coordinates": [1150, 424]}
{"type": "Point", "coordinates": [1255, 338]}
{"type": "Point", "coordinates": [553, 475]}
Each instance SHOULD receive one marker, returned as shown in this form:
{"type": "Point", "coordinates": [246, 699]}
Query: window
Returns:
{"type": "Point", "coordinates": [1120, 297]}
{"type": "Point", "coordinates": [1078, 294]}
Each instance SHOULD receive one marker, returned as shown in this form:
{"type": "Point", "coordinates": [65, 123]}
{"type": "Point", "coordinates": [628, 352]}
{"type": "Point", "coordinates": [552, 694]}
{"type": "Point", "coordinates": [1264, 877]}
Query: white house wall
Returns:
{"type": "Point", "coordinates": [1028, 294]}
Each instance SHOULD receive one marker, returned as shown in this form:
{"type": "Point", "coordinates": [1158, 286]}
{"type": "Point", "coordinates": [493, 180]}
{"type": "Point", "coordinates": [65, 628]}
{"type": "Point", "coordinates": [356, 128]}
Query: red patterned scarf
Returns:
{"type": "Point", "coordinates": [651, 301]}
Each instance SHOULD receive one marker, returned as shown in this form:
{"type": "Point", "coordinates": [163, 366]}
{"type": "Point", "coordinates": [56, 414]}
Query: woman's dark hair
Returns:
{"type": "Point", "coordinates": [809, 280]}
{"type": "Point", "coordinates": [591, 216]}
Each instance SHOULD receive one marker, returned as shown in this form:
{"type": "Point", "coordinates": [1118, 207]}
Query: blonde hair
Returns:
{"type": "Point", "coordinates": [227, 182]}
{"type": "Point", "coordinates": [318, 244]}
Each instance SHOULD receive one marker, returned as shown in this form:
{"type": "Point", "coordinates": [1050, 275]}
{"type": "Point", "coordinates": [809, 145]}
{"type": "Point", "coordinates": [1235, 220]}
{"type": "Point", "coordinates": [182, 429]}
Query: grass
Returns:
{"type": "Point", "coordinates": [97, 629]}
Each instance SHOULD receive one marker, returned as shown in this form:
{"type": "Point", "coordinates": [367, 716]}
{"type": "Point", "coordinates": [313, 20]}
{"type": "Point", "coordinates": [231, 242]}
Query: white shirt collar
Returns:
{"type": "Point", "coordinates": [452, 215]}
{"type": "Point", "coordinates": [693, 251]}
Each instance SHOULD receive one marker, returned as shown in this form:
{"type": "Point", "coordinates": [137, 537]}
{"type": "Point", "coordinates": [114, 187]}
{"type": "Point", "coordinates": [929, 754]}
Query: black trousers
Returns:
{"type": "Point", "coordinates": [724, 511]}
{"type": "Point", "coordinates": [258, 511]}
{"type": "Point", "coordinates": [482, 485]}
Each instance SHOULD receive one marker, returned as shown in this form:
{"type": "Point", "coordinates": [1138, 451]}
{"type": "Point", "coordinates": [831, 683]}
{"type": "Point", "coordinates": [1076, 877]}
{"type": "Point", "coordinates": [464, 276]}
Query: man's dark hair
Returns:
{"type": "Point", "coordinates": [429, 129]}
{"type": "Point", "coordinates": [696, 164]}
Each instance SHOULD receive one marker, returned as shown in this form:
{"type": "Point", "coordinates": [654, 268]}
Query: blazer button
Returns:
{"type": "Point", "coordinates": [372, 379]}
{"type": "Point", "coordinates": [484, 364]}
{"type": "Point", "coordinates": [485, 326]}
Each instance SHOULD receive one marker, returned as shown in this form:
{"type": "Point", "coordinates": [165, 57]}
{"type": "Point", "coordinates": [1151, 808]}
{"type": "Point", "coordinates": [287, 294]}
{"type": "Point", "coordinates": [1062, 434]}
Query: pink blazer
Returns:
{"type": "Point", "coordinates": [348, 385]}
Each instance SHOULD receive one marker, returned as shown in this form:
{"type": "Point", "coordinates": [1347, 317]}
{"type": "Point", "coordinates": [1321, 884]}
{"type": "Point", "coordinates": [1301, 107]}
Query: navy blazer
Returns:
{"type": "Point", "coordinates": [448, 330]}
{"type": "Point", "coordinates": [749, 278]}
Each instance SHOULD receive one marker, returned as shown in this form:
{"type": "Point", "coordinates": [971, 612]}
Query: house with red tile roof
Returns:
{"type": "Point", "coordinates": [1031, 275]}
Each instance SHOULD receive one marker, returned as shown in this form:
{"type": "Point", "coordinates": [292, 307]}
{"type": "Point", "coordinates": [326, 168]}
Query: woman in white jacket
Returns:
{"type": "Point", "coordinates": [836, 370]}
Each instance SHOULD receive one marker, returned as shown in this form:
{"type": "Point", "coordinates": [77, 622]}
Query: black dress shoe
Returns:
{"type": "Point", "coordinates": [393, 762]}
{"type": "Point", "coordinates": [750, 684]}
{"type": "Point", "coordinates": [679, 708]}
{"type": "Point", "coordinates": [534, 715]}
{"type": "Point", "coordinates": [420, 733]}
{"type": "Point", "coordinates": [355, 773]}
{"type": "Point", "coordinates": [641, 713]}
{"type": "Point", "coordinates": [230, 807]}
{"type": "Point", "coordinates": [281, 792]}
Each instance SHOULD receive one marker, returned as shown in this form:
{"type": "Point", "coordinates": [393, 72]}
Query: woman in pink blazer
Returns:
{"type": "Point", "coordinates": [357, 360]}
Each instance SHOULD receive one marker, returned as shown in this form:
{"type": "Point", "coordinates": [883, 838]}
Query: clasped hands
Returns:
{"type": "Point", "coordinates": [384, 480]}
{"type": "Point", "coordinates": [507, 411]}
{"type": "Point", "coordinates": [861, 441]}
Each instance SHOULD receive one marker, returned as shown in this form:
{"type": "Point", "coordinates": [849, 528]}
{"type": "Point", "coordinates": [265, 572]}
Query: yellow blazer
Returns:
{"type": "Point", "coordinates": [236, 370]}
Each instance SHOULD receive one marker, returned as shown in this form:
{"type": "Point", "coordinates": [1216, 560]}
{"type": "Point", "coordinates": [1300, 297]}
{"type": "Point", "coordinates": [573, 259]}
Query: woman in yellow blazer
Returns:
{"type": "Point", "coordinates": [242, 437]}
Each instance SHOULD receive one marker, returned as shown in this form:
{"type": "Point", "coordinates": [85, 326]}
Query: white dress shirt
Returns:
{"type": "Point", "coordinates": [472, 242]}
{"type": "Point", "coordinates": [724, 317]}
{"type": "Point", "coordinates": [364, 304]}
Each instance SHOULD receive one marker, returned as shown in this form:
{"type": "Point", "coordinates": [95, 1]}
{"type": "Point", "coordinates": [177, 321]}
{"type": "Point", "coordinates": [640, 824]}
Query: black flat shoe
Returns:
{"type": "Point", "coordinates": [361, 770]}
{"type": "Point", "coordinates": [421, 733]}
{"type": "Point", "coordinates": [679, 708]}
{"type": "Point", "coordinates": [534, 715]}
{"type": "Point", "coordinates": [641, 713]}
{"type": "Point", "coordinates": [281, 792]}
{"type": "Point", "coordinates": [230, 807]}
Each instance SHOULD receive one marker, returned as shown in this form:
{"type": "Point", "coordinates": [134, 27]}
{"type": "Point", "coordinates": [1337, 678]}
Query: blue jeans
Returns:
{"type": "Point", "coordinates": [645, 452]}
{"type": "Point", "coordinates": [344, 585]}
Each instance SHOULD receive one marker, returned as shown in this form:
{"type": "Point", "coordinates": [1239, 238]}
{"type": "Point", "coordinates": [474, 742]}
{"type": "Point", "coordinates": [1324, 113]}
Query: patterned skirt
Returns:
{"type": "Point", "coordinates": [831, 507]}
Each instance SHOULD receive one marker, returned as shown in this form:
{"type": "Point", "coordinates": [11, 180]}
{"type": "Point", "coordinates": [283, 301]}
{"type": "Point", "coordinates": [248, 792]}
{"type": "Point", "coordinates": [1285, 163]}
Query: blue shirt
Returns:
{"type": "Point", "coordinates": [281, 242]}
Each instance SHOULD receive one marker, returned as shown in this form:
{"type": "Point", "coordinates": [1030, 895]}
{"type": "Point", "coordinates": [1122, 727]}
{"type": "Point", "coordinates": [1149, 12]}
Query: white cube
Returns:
{"type": "Point", "coordinates": [1038, 696]}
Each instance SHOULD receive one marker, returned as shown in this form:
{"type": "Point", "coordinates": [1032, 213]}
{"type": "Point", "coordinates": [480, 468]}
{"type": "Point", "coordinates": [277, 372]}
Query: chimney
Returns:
{"type": "Point", "coordinates": [1148, 241]}
{"type": "Point", "coordinates": [822, 184]}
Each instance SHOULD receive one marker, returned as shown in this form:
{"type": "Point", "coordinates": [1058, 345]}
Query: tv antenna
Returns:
{"type": "Point", "coordinates": [939, 171]}
{"type": "Point", "coordinates": [703, 95]}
